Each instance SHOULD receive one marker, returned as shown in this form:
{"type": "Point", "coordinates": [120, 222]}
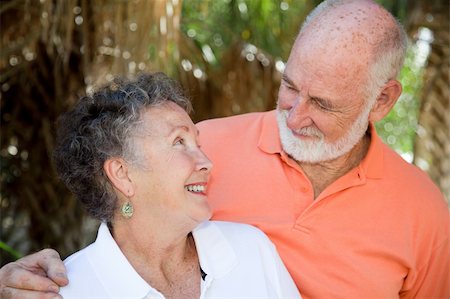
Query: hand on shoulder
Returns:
{"type": "Point", "coordinates": [38, 275]}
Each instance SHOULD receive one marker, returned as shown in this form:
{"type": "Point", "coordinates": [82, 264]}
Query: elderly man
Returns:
{"type": "Point", "coordinates": [349, 217]}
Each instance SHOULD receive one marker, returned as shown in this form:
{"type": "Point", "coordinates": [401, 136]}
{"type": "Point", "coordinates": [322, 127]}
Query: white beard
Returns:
{"type": "Point", "coordinates": [314, 151]}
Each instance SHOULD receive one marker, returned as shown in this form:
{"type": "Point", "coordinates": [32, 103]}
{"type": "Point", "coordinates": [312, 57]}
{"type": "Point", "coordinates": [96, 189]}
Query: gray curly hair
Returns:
{"type": "Point", "coordinates": [99, 127]}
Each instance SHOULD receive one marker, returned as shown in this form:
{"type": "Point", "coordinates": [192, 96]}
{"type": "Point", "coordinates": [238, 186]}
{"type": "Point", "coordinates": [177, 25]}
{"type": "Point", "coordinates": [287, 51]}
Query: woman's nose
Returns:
{"type": "Point", "coordinates": [203, 162]}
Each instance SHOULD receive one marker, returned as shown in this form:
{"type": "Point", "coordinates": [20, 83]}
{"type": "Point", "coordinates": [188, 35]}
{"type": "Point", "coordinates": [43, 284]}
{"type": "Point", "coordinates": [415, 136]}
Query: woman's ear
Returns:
{"type": "Point", "coordinates": [386, 100]}
{"type": "Point", "coordinates": [116, 169]}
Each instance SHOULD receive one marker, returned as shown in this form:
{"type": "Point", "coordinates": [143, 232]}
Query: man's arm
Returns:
{"type": "Point", "coordinates": [38, 275]}
{"type": "Point", "coordinates": [433, 279]}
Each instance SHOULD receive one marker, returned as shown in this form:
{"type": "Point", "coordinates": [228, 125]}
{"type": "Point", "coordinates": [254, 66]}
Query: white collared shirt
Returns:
{"type": "Point", "coordinates": [238, 259]}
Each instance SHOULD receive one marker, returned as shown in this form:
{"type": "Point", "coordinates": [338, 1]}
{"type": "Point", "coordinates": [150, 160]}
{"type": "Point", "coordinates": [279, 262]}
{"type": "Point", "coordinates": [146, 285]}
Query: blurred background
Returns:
{"type": "Point", "coordinates": [228, 54]}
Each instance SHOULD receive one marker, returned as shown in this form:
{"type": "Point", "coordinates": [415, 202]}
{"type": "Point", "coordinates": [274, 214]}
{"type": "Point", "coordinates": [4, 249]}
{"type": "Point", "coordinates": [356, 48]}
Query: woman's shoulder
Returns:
{"type": "Point", "coordinates": [233, 244]}
{"type": "Point", "coordinates": [81, 275]}
{"type": "Point", "coordinates": [77, 257]}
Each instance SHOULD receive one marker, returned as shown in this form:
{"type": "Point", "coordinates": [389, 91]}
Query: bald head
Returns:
{"type": "Point", "coordinates": [360, 36]}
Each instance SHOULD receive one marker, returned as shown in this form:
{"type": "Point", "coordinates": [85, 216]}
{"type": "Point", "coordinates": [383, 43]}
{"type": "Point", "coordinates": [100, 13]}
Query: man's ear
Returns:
{"type": "Point", "coordinates": [386, 100]}
{"type": "Point", "coordinates": [116, 169]}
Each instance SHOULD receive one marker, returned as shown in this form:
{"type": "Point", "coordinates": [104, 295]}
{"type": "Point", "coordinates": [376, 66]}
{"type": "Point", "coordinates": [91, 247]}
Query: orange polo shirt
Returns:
{"type": "Point", "coordinates": [380, 231]}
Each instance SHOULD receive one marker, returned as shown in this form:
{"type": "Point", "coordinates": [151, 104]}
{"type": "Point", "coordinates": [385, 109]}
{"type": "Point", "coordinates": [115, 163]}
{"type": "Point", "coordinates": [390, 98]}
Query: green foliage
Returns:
{"type": "Point", "coordinates": [398, 8]}
{"type": "Point", "coordinates": [398, 128]}
{"type": "Point", "coordinates": [14, 253]}
{"type": "Point", "coordinates": [269, 25]}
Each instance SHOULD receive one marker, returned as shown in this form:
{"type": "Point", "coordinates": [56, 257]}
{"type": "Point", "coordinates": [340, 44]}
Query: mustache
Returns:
{"type": "Point", "coordinates": [310, 131]}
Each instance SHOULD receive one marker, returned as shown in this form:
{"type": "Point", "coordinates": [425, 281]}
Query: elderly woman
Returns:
{"type": "Point", "coordinates": [130, 154]}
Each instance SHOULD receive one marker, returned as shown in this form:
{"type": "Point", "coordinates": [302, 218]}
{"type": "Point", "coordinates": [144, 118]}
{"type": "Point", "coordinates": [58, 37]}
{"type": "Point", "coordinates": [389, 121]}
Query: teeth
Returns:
{"type": "Point", "coordinates": [195, 188]}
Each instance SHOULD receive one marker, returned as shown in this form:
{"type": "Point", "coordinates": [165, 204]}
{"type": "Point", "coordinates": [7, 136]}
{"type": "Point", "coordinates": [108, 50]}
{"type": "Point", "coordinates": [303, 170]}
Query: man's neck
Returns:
{"type": "Point", "coordinates": [323, 174]}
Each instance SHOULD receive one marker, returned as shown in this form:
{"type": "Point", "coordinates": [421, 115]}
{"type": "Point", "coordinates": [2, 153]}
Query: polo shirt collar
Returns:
{"type": "Point", "coordinates": [371, 165]}
{"type": "Point", "coordinates": [114, 271]}
{"type": "Point", "coordinates": [269, 129]}
{"type": "Point", "coordinates": [217, 257]}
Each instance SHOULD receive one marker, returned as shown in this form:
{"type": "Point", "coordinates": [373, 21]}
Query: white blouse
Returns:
{"type": "Point", "coordinates": [238, 259]}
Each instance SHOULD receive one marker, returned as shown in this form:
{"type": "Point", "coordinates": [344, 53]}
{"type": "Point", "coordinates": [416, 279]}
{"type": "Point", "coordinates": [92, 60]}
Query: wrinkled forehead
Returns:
{"type": "Point", "coordinates": [163, 118]}
{"type": "Point", "coordinates": [318, 65]}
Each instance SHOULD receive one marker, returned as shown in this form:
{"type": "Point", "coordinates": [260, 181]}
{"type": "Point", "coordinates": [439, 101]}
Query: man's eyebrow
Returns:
{"type": "Point", "coordinates": [286, 79]}
{"type": "Point", "coordinates": [323, 102]}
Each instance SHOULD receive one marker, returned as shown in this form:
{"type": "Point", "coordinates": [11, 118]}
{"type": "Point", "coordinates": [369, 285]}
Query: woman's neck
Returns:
{"type": "Point", "coordinates": [168, 262]}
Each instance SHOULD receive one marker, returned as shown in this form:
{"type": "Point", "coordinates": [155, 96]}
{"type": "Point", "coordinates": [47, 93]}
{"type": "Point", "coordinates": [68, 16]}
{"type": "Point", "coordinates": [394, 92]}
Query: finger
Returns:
{"type": "Point", "coordinates": [54, 267]}
{"type": "Point", "coordinates": [9, 293]}
{"type": "Point", "coordinates": [50, 262]}
{"type": "Point", "coordinates": [16, 277]}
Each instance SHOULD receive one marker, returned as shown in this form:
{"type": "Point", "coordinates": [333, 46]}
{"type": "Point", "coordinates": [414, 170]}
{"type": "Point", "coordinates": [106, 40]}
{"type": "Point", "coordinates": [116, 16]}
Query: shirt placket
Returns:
{"type": "Point", "coordinates": [304, 192]}
{"type": "Point", "coordinates": [205, 284]}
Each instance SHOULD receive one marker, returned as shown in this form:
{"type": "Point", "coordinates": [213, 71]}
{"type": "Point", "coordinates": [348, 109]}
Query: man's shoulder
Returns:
{"type": "Point", "coordinates": [411, 183]}
{"type": "Point", "coordinates": [228, 135]}
{"type": "Point", "coordinates": [401, 170]}
{"type": "Point", "coordinates": [242, 234]}
{"type": "Point", "coordinates": [231, 123]}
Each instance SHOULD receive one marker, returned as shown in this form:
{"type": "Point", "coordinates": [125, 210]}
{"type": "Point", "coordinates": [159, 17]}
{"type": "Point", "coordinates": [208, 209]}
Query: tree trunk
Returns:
{"type": "Point", "coordinates": [432, 142]}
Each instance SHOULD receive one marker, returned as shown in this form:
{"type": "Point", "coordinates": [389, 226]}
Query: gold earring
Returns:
{"type": "Point", "coordinates": [127, 210]}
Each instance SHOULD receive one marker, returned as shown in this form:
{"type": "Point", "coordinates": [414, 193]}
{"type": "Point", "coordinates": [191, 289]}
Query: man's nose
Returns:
{"type": "Point", "coordinates": [299, 115]}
